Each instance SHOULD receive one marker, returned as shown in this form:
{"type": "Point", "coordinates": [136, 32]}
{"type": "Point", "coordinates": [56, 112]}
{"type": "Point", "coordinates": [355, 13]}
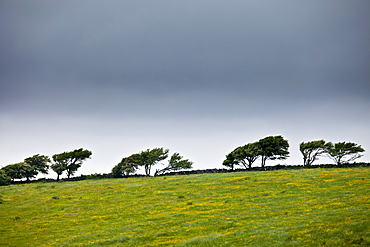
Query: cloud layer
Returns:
{"type": "Point", "coordinates": [196, 75]}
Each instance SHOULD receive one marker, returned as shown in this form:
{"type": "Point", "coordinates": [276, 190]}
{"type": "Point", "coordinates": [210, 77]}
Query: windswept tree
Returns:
{"type": "Point", "coordinates": [230, 161]}
{"type": "Point", "coordinates": [150, 157]}
{"type": "Point", "coordinates": [272, 148]}
{"type": "Point", "coordinates": [29, 168]}
{"type": "Point", "coordinates": [69, 161]}
{"type": "Point", "coordinates": [251, 153]}
{"type": "Point", "coordinates": [239, 156]}
{"type": "Point", "coordinates": [176, 163]}
{"type": "Point", "coordinates": [312, 150]}
{"type": "Point", "coordinates": [343, 152]}
{"type": "Point", "coordinates": [58, 167]}
{"type": "Point", "coordinates": [244, 156]}
{"type": "Point", "coordinates": [39, 163]}
{"type": "Point", "coordinates": [19, 170]}
{"type": "Point", "coordinates": [127, 166]}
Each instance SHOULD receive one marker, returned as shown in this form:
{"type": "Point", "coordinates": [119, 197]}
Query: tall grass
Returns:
{"type": "Point", "coordinates": [315, 207]}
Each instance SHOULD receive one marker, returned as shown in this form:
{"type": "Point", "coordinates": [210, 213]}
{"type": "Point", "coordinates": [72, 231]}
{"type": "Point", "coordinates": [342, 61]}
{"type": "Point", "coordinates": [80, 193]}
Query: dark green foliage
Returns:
{"type": "Point", "coordinates": [338, 151]}
{"type": "Point", "coordinates": [272, 148]}
{"type": "Point", "coordinates": [58, 168]}
{"type": "Point", "coordinates": [126, 166]}
{"type": "Point", "coordinates": [39, 163]}
{"type": "Point", "coordinates": [175, 163]}
{"type": "Point", "coordinates": [4, 178]}
{"type": "Point", "coordinates": [230, 161]}
{"type": "Point", "coordinates": [149, 158]}
{"type": "Point", "coordinates": [19, 170]}
{"type": "Point", "coordinates": [312, 150]}
{"type": "Point", "coordinates": [244, 156]}
{"type": "Point", "coordinates": [95, 176]}
{"type": "Point", "coordinates": [27, 169]}
{"type": "Point", "coordinates": [251, 152]}
{"type": "Point", "coordinates": [69, 161]}
{"type": "Point", "coordinates": [237, 157]}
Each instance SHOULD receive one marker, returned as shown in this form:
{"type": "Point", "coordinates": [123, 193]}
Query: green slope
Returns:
{"type": "Point", "coordinates": [313, 207]}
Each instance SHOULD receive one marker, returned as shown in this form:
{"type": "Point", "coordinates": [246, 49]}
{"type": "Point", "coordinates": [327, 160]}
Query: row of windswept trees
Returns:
{"type": "Point", "coordinates": [147, 159]}
{"type": "Point", "coordinates": [268, 148]}
{"type": "Point", "coordinates": [276, 148]}
{"type": "Point", "coordinates": [68, 162]}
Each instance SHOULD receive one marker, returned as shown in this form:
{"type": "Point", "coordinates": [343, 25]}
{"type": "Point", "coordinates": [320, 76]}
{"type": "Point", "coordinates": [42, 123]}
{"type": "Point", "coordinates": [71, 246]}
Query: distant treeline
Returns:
{"type": "Point", "coordinates": [241, 158]}
{"type": "Point", "coordinates": [205, 171]}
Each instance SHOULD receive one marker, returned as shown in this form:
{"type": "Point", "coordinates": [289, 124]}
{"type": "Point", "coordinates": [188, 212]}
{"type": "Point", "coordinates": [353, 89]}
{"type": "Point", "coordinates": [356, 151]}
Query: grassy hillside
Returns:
{"type": "Point", "coordinates": [316, 207]}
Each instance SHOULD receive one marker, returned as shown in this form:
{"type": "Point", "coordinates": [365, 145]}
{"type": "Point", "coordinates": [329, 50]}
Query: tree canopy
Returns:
{"type": "Point", "coordinates": [4, 178]}
{"type": "Point", "coordinates": [147, 159]}
{"type": "Point", "coordinates": [69, 161]}
{"type": "Point", "coordinates": [19, 170]}
{"type": "Point", "coordinates": [176, 163]}
{"type": "Point", "coordinates": [29, 168]}
{"type": "Point", "coordinates": [342, 152]}
{"type": "Point", "coordinates": [230, 161]}
{"type": "Point", "coordinates": [39, 163]}
{"type": "Point", "coordinates": [150, 157]}
{"type": "Point", "coordinates": [312, 150]}
{"type": "Point", "coordinates": [126, 166]}
{"type": "Point", "coordinates": [245, 156]}
{"type": "Point", "coordinates": [272, 148]}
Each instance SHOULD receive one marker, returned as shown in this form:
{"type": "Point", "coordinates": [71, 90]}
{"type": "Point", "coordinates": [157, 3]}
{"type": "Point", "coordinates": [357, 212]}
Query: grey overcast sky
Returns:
{"type": "Point", "coordinates": [197, 77]}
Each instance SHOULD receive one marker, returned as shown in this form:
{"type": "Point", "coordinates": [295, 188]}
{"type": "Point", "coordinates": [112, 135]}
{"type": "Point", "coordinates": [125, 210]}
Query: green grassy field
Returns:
{"type": "Point", "coordinates": [307, 207]}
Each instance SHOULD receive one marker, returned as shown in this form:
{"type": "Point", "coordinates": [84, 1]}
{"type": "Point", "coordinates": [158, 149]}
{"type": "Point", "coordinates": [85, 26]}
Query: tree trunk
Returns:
{"type": "Point", "coordinates": [244, 164]}
{"type": "Point", "coordinates": [264, 158]}
{"type": "Point", "coordinates": [250, 162]}
{"type": "Point", "coordinates": [147, 170]}
{"type": "Point", "coordinates": [339, 161]}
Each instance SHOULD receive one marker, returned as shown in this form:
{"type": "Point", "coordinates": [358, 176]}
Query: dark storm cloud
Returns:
{"type": "Point", "coordinates": [105, 55]}
{"type": "Point", "coordinates": [199, 77]}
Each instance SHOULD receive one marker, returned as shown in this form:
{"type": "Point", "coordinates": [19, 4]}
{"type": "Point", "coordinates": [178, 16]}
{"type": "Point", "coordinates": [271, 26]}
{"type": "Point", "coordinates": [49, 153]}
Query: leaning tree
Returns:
{"type": "Point", "coordinates": [39, 163]}
{"type": "Point", "coordinates": [126, 166]}
{"type": "Point", "coordinates": [272, 148]}
{"type": "Point", "coordinates": [19, 170]}
{"type": "Point", "coordinates": [150, 157]}
{"type": "Point", "coordinates": [176, 163]}
{"type": "Point", "coordinates": [69, 161]}
{"type": "Point", "coordinates": [312, 150]}
{"type": "Point", "coordinates": [342, 152]}
{"type": "Point", "coordinates": [244, 156]}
